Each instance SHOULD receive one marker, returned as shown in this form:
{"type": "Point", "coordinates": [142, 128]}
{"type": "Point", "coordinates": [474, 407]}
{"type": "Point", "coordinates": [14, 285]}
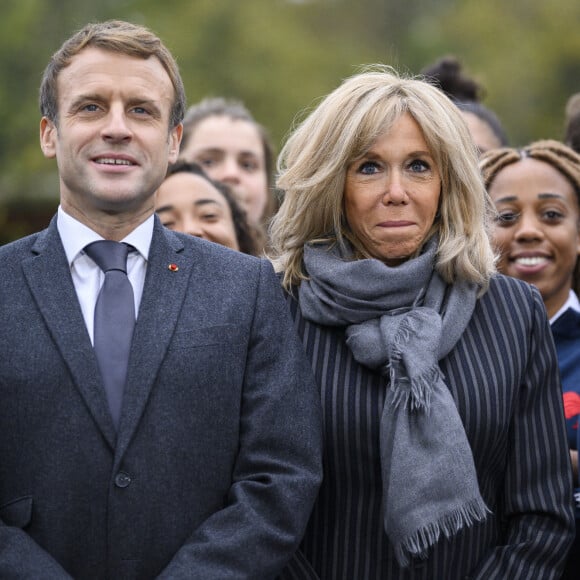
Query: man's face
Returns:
{"type": "Point", "coordinates": [112, 141]}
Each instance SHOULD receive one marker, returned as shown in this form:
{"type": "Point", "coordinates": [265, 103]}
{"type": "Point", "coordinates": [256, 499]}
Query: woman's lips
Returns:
{"type": "Point", "coordinates": [395, 224]}
{"type": "Point", "coordinates": [530, 264]}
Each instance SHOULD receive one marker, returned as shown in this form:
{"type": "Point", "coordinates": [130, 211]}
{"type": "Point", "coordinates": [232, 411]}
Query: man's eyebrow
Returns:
{"type": "Point", "coordinates": [133, 102]}
{"type": "Point", "coordinates": [86, 97]}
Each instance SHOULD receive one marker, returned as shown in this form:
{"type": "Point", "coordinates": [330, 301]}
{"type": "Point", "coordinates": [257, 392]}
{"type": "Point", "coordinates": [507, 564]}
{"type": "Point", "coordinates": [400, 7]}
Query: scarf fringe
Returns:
{"type": "Point", "coordinates": [414, 395]}
{"type": "Point", "coordinates": [417, 544]}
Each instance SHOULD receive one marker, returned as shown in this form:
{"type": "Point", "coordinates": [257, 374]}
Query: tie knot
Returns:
{"type": "Point", "coordinates": [108, 255]}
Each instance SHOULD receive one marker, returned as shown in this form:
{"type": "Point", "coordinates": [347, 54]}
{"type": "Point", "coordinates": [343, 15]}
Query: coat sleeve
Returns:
{"type": "Point", "coordinates": [279, 464]}
{"type": "Point", "coordinates": [537, 498]}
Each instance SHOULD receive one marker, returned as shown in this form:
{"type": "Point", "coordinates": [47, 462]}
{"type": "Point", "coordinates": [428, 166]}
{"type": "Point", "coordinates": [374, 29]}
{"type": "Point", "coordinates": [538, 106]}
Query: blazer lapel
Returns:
{"type": "Point", "coordinates": [168, 275]}
{"type": "Point", "coordinates": [48, 275]}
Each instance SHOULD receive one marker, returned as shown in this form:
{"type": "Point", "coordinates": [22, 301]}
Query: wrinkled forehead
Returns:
{"type": "Point", "coordinates": [104, 74]}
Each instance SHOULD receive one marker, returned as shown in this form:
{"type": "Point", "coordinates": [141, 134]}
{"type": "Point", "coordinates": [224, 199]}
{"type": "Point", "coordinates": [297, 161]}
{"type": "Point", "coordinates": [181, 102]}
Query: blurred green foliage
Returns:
{"type": "Point", "coordinates": [280, 56]}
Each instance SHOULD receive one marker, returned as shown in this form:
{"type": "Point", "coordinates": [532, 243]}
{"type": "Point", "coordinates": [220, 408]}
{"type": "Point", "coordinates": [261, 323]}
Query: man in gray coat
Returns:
{"type": "Point", "coordinates": [158, 418]}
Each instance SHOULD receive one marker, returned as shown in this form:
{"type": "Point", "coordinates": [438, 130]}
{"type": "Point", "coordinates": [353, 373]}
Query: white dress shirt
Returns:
{"type": "Point", "coordinates": [87, 276]}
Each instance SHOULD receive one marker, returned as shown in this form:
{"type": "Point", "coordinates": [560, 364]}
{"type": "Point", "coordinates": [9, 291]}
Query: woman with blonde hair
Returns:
{"type": "Point", "coordinates": [445, 453]}
{"type": "Point", "coordinates": [536, 191]}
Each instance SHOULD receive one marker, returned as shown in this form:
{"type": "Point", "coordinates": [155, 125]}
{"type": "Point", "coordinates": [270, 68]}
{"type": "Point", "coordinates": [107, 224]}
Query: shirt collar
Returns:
{"type": "Point", "coordinates": [572, 303]}
{"type": "Point", "coordinates": [75, 236]}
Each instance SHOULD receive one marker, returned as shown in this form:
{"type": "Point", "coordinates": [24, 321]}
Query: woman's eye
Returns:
{"type": "Point", "coordinates": [553, 215]}
{"type": "Point", "coordinates": [419, 166]}
{"type": "Point", "coordinates": [506, 218]}
{"type": "Point", "coordinates": [249, 166]}
{"type": "Point", "coordinates": [368, 168]}
{"type": "Point", "coordinates": [209, 217]}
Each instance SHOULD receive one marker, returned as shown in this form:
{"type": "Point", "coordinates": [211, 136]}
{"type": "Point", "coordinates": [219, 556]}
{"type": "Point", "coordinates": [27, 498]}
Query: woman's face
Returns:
{"type": "Point", "coordinates": [188, 203]}
{"type": "Point", "coordinates": [481, 133]}
{"type": "Point", "coordinates": [231, 151]}
{"type": "Point", "coordinates": [536, 232]}
{"type": "Point", "coordinates": [392, 193]}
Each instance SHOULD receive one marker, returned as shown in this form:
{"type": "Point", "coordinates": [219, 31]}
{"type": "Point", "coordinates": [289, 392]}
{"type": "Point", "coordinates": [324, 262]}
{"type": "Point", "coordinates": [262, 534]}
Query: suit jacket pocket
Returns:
{"type": "Point", "coordinates": [206, 336]}
{"type": "Point", "coordinates": [18, 512]}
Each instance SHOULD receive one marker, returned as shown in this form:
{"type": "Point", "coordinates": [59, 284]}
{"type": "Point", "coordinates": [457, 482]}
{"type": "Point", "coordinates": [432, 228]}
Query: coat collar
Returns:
{"type": "Point", "coordinates": [48, 275]}
{"type": "Point", "coordinates": [168, 273]}
{"type": "Point", "coordinates": [169, 270]}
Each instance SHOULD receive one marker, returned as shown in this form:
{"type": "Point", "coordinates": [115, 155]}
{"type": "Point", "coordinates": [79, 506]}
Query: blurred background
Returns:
{"type": "Point", "coordinates": [281, 56]}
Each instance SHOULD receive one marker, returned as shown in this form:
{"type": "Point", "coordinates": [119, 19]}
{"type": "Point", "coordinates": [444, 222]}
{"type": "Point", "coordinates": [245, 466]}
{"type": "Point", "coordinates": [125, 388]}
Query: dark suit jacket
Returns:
{"type": "Point", "coordinates": [216, 463]}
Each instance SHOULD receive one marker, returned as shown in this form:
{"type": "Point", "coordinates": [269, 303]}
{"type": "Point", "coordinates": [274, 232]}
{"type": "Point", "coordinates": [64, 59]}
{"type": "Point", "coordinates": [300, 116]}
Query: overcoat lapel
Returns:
{"type": "Point", "coordinates": [48, 275]}
{"type": "Point", "coordinates": [168, 276]}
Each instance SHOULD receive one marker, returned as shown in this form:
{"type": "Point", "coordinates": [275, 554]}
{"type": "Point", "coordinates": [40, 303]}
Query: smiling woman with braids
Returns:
{"type": "Point", "coordinates": [536, 191]}
{"type": "Point", "coordinates": [446, 452]}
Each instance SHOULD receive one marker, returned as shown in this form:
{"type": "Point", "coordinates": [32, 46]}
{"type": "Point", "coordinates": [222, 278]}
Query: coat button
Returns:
{"type": "Point", "coordinates": [122, 479]}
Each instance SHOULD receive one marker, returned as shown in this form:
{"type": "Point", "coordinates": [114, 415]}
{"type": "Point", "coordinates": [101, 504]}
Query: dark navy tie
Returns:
{"type": "Point", "coordinates": [114, 320]}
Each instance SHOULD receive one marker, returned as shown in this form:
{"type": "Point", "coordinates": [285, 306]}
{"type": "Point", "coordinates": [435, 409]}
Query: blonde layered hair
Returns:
{"type": "Point", "coordinates": [342, 128]}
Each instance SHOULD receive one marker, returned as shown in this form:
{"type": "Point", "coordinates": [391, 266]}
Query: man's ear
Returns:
{"type": "Point", "coordinates": [48, 137]}
{"type": "Point", "coordinates": [175, 136]}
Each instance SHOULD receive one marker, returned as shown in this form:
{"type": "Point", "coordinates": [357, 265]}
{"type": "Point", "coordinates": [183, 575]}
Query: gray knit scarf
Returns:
{"type": "Point", "coordinates": [400, 322]}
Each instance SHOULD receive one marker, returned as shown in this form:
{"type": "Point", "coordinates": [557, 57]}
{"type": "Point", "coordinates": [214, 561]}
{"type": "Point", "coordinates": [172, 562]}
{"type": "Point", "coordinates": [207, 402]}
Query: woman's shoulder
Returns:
{"type": "Point", "coordinates": [512, 302]}
{"type": "Point", "coordinates": [507, 289]}
{"type": "Point", "coordinates": [291, 295]}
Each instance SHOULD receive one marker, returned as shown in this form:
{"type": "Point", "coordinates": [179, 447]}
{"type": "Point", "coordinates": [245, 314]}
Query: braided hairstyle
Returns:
{"type": "Point", "coordinates": [561, 157]}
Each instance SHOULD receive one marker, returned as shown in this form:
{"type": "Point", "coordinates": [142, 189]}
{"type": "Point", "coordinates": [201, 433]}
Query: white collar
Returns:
{"type": "Point", "coordinates": [572, 303]}
{"type": "Point", "coordinates": [75, 235]}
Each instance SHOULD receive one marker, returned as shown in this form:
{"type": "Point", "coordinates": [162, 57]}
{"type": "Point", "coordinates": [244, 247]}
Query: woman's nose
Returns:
{"type": "Point", "coordinates": [529, 228]}
{"type": "Point", "coordinates": [229, 171]}
{"type": "Point", "coordinates": [192, 227]}
{"type": "Point", "coordinates": [395, 191]}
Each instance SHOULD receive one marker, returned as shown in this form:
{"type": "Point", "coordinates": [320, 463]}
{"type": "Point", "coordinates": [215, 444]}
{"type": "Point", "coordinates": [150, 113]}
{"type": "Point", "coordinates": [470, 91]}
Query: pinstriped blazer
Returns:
{"type": "Point", "coordinates": [503, 375]}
